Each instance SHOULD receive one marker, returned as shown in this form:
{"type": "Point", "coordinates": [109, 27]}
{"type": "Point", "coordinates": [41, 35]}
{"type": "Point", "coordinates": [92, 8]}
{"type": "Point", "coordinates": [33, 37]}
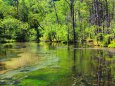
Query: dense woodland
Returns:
{"type": "Point", "coordinates": [67, 21]}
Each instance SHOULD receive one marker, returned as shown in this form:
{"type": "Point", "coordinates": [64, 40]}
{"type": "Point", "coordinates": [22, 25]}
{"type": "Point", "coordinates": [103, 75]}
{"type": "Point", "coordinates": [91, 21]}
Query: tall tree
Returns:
{"type": "Point", "coordinates": [16, 3]}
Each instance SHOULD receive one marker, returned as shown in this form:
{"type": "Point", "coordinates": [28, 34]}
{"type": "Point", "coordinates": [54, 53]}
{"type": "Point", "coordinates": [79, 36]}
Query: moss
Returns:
{"type": "Point", "coordinates": [32, 82]}
{"type": "Point", "coordinates": [42, 77]}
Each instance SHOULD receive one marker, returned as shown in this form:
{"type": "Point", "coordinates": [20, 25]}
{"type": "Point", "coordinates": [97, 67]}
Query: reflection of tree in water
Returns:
{"type": "Point", "coordinates": [2, 52]}
{"type": "Point", "coordinates": [77, 76]}
{"type": "Point", "coordinates": [101, 73]}
{"type": "Point", "coordinates": [4, 49]}
{"type": "Point", "coordinates": [2, 66]}
{"type": "Point", "coordinates": [52, 46]}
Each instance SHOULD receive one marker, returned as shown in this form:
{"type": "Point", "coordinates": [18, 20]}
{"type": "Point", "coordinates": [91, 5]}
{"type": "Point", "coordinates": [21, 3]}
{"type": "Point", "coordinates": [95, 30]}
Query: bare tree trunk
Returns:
{"type": "Point", "coordinates": [72, 13]}
{"type": "Point", "coordinates": [57, 19]}
{"type": "Point", "coordinates": [107, 14]}
{"type": "Point", "coordinates": [73, 19]}
{"type": "Point", "coordinates": [17, 6]}
{"type": "Point", "coordinates": [80, 22]}
{"type": "Point", "coordinates": [67, 28]}
{"type": "Point", "coordinates": [113, 14]}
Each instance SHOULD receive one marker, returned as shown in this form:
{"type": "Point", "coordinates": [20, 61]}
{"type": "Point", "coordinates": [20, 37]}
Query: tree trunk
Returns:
{"type": "Point", "coordinates": [73, 20]}
{"type": "Point", "coordinates": [57, 19]}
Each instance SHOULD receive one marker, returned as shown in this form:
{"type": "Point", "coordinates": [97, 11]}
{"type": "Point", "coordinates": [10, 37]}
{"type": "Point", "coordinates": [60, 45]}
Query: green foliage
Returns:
{"type": "Point", "coordinates": [112, 44]}
{"type": "Point", "coordinates": [13, 29]}
{"type": "Point", "coordinates": [47, 20]}
{"type": "Point", "coordinates": [9, 26]}
{"type": "Point", "coordinates": [107, 40]}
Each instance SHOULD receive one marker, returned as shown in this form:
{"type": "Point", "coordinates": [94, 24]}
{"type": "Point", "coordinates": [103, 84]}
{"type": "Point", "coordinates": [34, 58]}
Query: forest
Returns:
{"type": "Point", "coordinates": [57, 42]}
{"type": "Point", "coordinates": [65, 21]}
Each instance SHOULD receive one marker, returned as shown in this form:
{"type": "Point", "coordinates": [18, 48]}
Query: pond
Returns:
{"type": "Point", "coordinates": [51, 64]}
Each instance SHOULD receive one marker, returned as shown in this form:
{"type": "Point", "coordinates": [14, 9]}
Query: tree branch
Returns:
{"type": "Point", "coordinates": [40, 26]}
{"type": "Point", "coordinates": [67, 2]}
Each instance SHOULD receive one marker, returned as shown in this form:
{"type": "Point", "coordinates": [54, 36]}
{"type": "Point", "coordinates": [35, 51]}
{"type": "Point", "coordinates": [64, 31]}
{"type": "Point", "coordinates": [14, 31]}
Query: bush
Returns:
{"type": "Point", "coordinates": [107, 40]}
{"type": "Point", "coordinates": [112, 45]}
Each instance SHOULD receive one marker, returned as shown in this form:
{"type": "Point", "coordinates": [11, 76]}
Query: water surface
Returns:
{"type": "Point", "coordinates": [33, 64]}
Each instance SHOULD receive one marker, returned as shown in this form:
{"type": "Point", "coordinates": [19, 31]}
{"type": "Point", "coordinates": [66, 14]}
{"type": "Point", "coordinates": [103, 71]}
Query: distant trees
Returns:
{"type": "Point", "coordinates": [101, 15]}
{"type": "Point", "coordinates": [58, 21]}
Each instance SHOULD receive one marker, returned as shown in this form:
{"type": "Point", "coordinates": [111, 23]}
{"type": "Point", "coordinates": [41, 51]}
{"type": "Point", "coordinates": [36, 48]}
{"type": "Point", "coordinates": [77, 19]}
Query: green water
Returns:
{"type": "Point", "coordinates": [33, 64]}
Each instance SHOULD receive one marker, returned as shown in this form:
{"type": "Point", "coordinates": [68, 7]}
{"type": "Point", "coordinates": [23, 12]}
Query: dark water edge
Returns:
{"type": "Point", "coordinates": [46, 64]}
